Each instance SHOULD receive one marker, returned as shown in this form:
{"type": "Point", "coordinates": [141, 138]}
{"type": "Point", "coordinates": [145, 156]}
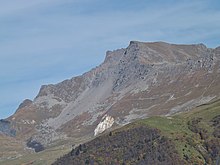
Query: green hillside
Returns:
{"type": "Point", "coordinates": [187, 138]}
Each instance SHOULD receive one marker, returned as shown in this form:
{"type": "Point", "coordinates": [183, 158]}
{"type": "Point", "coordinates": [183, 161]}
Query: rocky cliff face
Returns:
{"type": "Point", "coordinates": [106, 123]}
{"type": "Point", "coordinates": [142, 80]}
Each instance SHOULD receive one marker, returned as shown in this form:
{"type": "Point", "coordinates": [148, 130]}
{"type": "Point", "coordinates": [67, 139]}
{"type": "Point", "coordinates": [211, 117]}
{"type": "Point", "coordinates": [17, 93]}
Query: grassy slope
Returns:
{"type": "Point", "coordinates": [42, 158]}
{"type": "Point", "coordinates": [46, 157]}
{"type": "Point", "coordinates": [188, 143]}
{"type": "Point", "coordinates": [9, 147]}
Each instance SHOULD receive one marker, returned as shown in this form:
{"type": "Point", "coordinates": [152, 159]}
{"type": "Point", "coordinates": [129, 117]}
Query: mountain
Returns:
{"type": "Point", "coordinates": [140, 81]}
{"type": "Point", "coordinates": [186, 138]}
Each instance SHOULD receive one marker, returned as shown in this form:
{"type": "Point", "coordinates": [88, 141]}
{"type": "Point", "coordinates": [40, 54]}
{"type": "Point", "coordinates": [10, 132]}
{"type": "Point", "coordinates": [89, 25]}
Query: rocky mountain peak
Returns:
{"type": "Point", "coordinates": [162, 52]}
{"type": "Point", "coordinates": [144, 79]}
{"type": "Point", "coordinates": [25, 103]}
{"type": "Point", "coordinates": [113, 56]}
{"type": "Point", "coordinates": [44, 90]}
{"type": "Point", "coordinates": [124, 65]}
{"type": "Point", "coordinates": [202, 46]}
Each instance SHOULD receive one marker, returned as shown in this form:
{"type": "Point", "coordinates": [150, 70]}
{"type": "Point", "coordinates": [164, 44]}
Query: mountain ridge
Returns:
{"type": "Point", "coordinates": [142, 80]}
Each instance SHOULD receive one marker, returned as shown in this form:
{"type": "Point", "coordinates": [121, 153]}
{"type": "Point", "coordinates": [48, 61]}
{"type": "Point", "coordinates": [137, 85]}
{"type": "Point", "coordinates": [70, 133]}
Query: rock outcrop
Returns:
{"type": "Point", "coordinates": [106, 123]}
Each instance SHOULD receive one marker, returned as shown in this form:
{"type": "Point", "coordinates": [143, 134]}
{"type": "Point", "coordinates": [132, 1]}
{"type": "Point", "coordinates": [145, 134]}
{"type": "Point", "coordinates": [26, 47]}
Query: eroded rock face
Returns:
{"type": "Point", "coordinates": [106, 123]}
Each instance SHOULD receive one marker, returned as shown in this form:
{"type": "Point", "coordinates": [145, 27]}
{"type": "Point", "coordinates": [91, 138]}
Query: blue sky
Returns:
{"type": "Point", "coordinates": [47, 41]}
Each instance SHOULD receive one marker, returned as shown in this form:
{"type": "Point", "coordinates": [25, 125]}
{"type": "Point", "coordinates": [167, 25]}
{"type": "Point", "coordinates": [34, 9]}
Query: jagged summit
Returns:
{"type": "Point", "coordinates": [25, 103]}
{"type": "Point", "coordinates": [156, 52]}
{"type": "Point", "coordinates": [114, 56]}
{"type": "Point", "coordinates": [142, 80]}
